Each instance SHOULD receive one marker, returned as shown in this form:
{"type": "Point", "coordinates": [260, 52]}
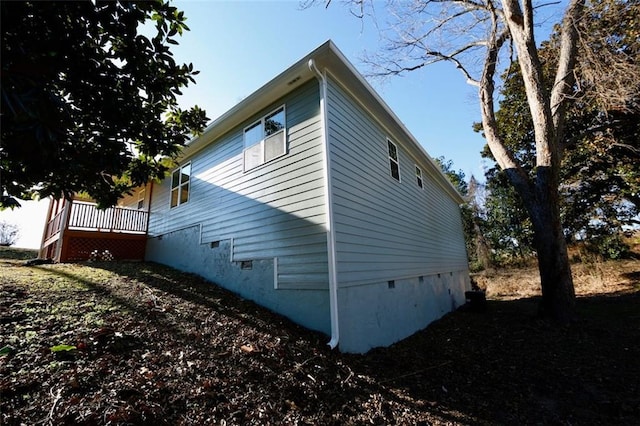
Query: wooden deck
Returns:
{"type": "Point", "coordinates": [78, 230]}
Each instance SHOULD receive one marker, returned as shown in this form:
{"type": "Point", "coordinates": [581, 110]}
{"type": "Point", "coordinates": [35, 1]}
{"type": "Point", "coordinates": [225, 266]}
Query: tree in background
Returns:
{"type": "Point", "coordinates": [477, 250]}
{"type": "Point", "coordinates": [600, 173]}
{"type": "Point", "coordinates": [474, 36]}
{"type": "Point", "coordinates": [457, 178]}
{"type": "Point", "coordinates": [472, 211]}
{"type": "Point", "coordinates": [9, 233]}
{"type": "Point", "coordinates": [88, 101]}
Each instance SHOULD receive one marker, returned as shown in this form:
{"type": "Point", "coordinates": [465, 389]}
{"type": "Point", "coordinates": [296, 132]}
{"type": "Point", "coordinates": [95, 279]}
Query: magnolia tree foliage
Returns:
{"type": "Point", "coordinates": [89, 100]}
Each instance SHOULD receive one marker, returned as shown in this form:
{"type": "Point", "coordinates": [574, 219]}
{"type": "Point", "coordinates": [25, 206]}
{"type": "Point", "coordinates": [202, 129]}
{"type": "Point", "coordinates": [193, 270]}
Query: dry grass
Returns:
{"type": "Point", "coordinates": [591, 278]}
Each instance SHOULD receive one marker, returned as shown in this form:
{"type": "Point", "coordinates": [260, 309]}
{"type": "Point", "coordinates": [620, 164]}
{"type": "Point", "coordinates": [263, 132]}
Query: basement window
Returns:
{"type": "Point", "coordinates": [394, 163]}
{"type": "Point", "coordinates": [215, 244]}
{"type": "Point", "coordinates": [391, 284]}
{"type": "Point", "coordinates": [246, 264]}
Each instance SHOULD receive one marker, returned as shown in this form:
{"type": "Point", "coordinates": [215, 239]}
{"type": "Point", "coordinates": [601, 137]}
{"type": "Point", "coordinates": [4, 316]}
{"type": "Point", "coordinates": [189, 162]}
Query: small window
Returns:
{"type": "Point", "coordinates": [394, 164]}
{"type": "Point", "coordinates": [265, 139]}
{"type": "Point", "coordinates": [141, 195]}
{"type": "Point", "coordinates": [180, 182]}
{"type": "Point", "coordinates": [419, 177]}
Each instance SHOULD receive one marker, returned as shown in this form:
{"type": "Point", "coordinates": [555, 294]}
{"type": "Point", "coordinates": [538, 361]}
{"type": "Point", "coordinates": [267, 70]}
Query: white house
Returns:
{"type": "Point", "coordinates": [312, 199]}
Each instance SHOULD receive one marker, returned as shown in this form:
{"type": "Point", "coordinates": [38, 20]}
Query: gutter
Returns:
{"type": "Point", "coordinates": [331, 235]}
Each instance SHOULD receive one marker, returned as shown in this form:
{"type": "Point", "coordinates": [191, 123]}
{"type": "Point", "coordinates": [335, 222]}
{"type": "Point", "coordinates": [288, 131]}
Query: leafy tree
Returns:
{"type": "Point", "coordinates": [9, 233]}
{"type": "Point", "coordinates": [507, 224]}
{"type": "Point", "coordinates": [88, 101]}
{"type": "Point", "coordinates": [474, 36]}
{"type": "Point", "coordinates": [456, 178]}
{"type": "Point", "coordinates": [478, 249]}
{"type": "Point", "coordinates": [600, 173]}
{"type": "Point", "coordinates": [477, 228]}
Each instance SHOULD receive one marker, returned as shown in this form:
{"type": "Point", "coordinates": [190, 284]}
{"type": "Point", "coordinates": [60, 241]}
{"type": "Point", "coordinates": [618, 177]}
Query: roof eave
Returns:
{"type": "Point", "coordinates": [327, 56]}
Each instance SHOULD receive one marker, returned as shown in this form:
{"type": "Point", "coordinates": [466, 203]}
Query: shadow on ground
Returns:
{"type": "Point", "coordinates": [198, 354]}
{"type": "Point", "coordinates": [503, 365]}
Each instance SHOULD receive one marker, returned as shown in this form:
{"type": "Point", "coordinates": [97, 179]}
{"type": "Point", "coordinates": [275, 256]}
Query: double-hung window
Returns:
{"type": "Point", "coordinates": [265, 139]}
{"type": "Point", "coordinates": [180, 182]}
{"type": "Point", "coordinates": [394, 163]}
{"type": "Point", "coordinates": [141, 195]}
{"type": "Point", "coordinates": [419, 177]}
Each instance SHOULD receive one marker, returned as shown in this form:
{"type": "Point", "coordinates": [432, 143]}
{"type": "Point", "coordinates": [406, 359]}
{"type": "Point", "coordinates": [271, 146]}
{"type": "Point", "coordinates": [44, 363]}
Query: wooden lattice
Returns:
{"type": "Point", "coordinates": [80, 248]}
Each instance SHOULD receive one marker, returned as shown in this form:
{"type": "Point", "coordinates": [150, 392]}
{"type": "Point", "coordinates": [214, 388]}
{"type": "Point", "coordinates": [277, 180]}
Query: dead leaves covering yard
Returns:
{"type": "Point", "coordinates": [135, 343]}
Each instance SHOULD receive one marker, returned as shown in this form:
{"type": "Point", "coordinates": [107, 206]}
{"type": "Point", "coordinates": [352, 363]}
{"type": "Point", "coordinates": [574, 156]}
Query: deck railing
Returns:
{"type": "Point", "coordinates": [86, 216]}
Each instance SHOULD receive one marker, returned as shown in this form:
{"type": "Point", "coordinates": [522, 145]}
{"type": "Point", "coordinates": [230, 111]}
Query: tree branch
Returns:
{"type": "Point", "coordinates": [565, 77]}
{"type": "Point", "coordinates": [503, 156]}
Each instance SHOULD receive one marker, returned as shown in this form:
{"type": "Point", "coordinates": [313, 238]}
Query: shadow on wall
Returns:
{"type": "Point", "coordinates": [262, 234]}
{"type": "Point", "coordinates": [266, 246]}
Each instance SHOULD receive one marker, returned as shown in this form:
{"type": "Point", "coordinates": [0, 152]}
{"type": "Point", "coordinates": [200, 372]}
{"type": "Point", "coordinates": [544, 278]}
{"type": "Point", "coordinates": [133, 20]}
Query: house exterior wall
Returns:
{"type": "Point", "coordinates": [375, 315]}
{"type": "Point", "coordinates": [309, 308]}
{"type": "Point", "coordinates": [131, 201]}
{"type": "Point", "coordinates": [273, 215]}
{"type": "Point", "coordinates": [388, 230]}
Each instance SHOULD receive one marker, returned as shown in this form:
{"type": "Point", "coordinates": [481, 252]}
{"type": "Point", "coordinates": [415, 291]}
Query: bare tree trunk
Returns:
{"type": "Point", "coordinates": [483, 251]}
{"type": "Point", "coordinates": [558, 295]}
{"type": "Point", "coordinates": [541, 196]}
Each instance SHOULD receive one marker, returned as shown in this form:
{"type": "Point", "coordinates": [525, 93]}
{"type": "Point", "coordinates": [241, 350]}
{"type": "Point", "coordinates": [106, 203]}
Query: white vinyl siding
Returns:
{"type": "Point", "coordinates": [276, 210]}
{"type": "Point", "coordinates": [385, 230]}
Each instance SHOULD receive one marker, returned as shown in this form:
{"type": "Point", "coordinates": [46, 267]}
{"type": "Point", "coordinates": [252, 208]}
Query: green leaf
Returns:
{"type": "Point", "coordinates": [6, 350]}
{"type": "Point", "coordinates": [62, 348]}
{"type": "Point", "coordinates": [56, 144]}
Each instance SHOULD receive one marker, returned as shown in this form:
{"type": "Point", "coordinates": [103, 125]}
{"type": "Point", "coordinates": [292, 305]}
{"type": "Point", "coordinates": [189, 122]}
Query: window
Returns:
{"type": "Point", "coordinates": [394, 164]}
{"type": "Point", "coordinates": [180, 185]}
{"type": "Point", "coordinates": [265, 139]}
{"type": "Point", "coordinates": [419, 177]}
{"type": "Point", "coordinates": [141, 194]}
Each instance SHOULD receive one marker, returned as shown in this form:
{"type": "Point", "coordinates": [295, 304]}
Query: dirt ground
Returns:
{"type": "Point", "coordinates": [137, 343]}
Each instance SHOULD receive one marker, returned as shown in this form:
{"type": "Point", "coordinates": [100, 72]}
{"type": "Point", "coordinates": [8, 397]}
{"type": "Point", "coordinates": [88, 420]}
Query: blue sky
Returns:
{"type": "Point", "coordinates": [238, 46]}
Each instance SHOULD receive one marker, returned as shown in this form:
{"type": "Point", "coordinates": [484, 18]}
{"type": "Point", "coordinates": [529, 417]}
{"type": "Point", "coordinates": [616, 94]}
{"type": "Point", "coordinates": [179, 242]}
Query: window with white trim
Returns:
{"type": "Point", "coordinates": [419, 177]}
{"type": "Point", "coordinates": [394, 164]}
{"type": "Point", "coordinates": [265, 139]}
{"type": "Point", "coordinates": [141, 195]}
{"type": "Point", "coordinates": [180, 183]}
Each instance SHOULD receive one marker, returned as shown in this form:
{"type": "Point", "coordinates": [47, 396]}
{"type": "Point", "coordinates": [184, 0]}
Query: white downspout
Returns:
{"type": "Point", "coordinates": [331, 235]}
